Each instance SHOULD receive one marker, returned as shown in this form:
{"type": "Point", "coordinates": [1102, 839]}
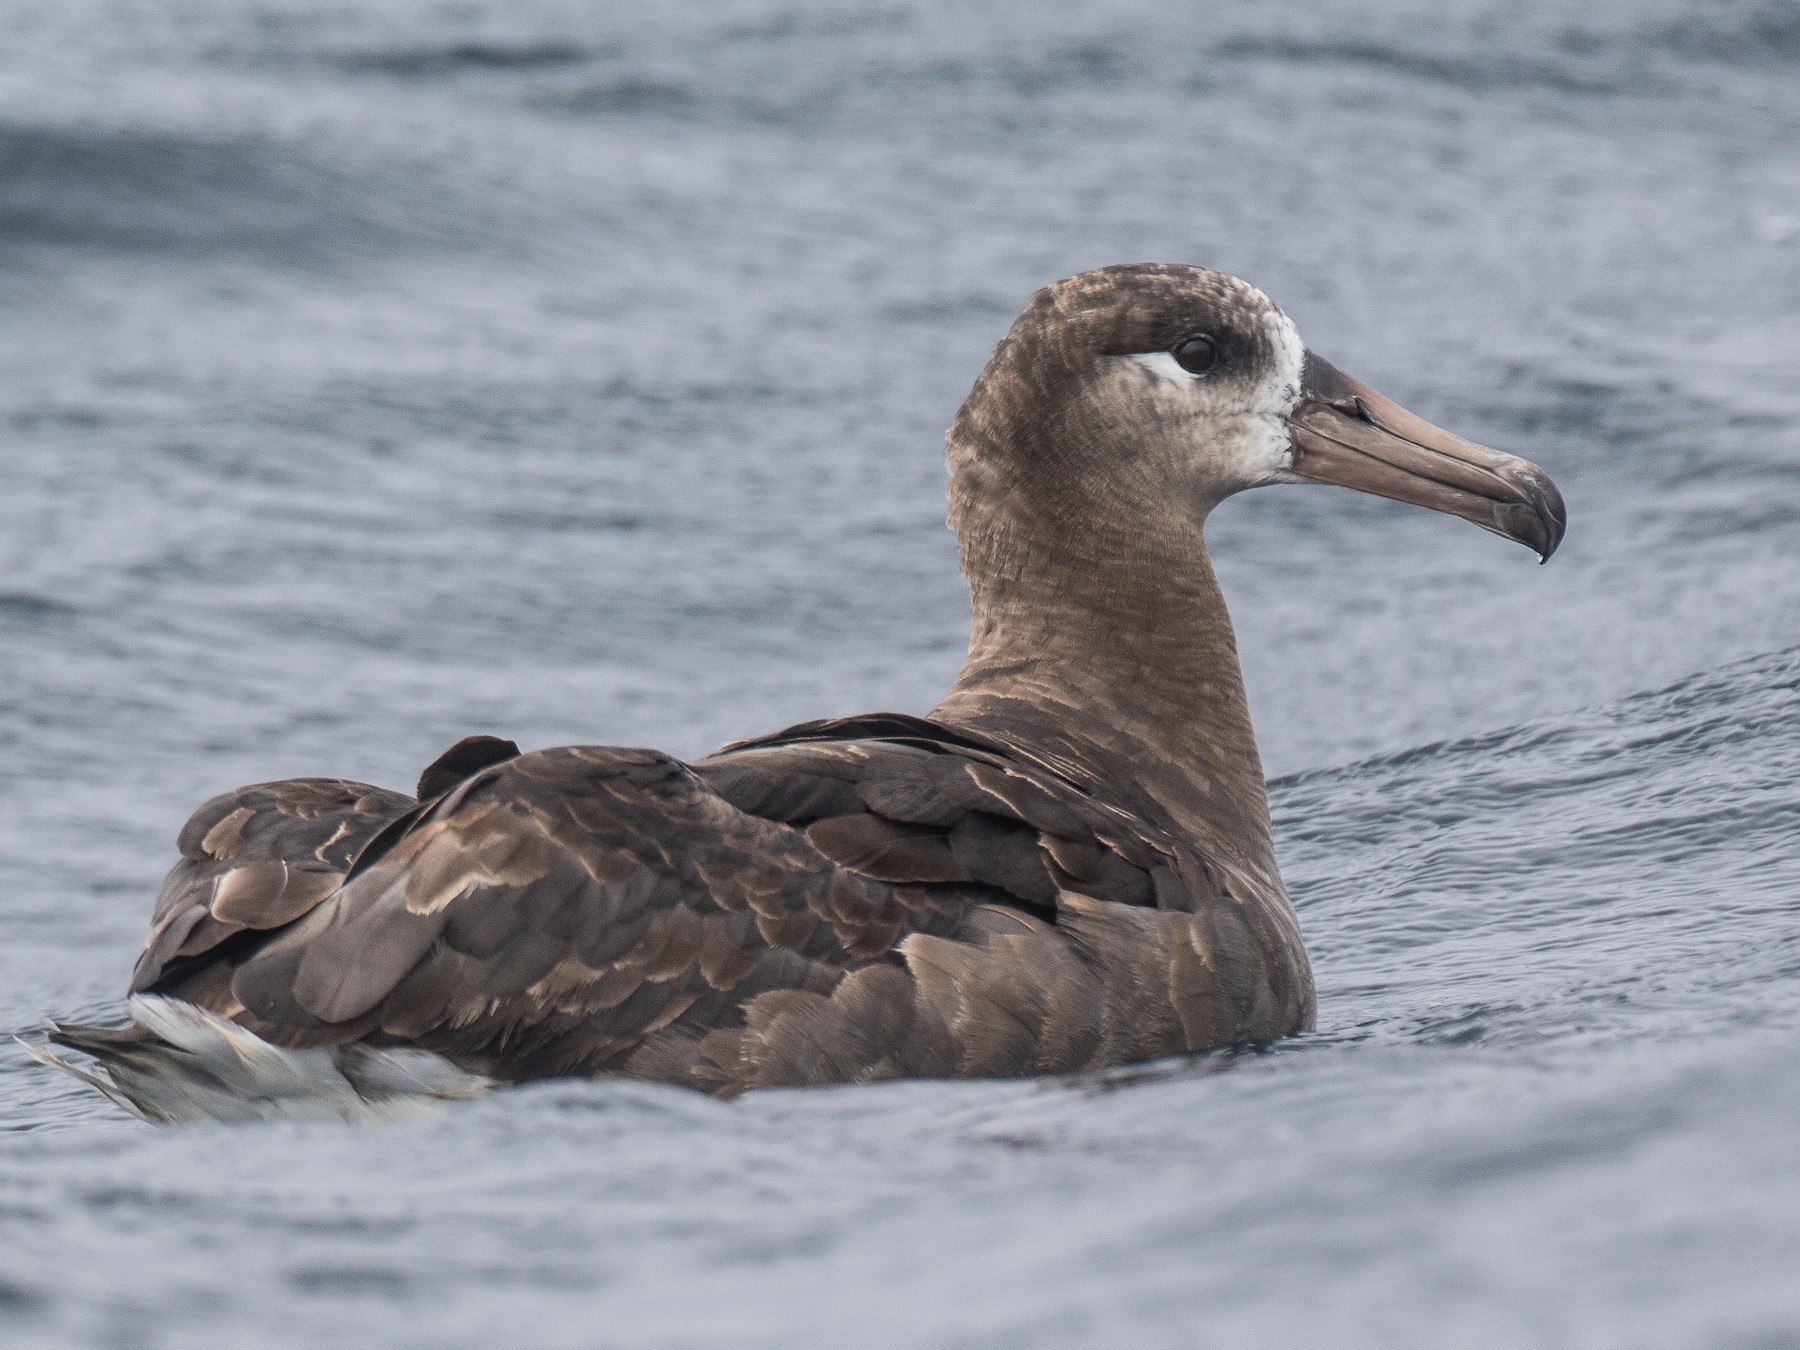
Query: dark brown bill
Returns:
{"type": "Point", "coordinates": [1346, 433]}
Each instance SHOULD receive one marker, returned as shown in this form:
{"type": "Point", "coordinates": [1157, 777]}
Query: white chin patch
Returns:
{"type": "Point", "coordinates": [1268, 454]}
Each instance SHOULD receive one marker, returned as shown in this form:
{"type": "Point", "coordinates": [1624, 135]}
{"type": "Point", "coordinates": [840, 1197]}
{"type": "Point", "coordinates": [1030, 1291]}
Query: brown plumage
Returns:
{"type": "Point", "coordinates": [1067, 864]}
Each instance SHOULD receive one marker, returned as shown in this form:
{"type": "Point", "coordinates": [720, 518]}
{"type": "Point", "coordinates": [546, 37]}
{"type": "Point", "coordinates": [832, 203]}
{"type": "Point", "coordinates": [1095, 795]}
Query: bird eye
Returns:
{"type": "Point", "coordinates": [1195, 354]}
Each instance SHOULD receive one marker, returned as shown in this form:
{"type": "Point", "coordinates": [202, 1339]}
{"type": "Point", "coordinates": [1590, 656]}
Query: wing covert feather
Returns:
{"type": "Point", "coordinates": [257, 858]}
{"type": "Point", "coordinates": [831, 907]}
{"type": "Point", "coordinates": [609, 890]}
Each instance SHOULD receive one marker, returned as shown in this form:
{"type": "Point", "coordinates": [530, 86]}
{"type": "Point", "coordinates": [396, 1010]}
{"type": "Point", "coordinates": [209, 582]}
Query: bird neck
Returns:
{"type": "Point", "coordinates": [1106, 650]}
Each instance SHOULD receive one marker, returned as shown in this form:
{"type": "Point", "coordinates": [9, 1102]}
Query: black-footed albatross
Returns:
{"type": "Point", "coordinates": [1066, 864]}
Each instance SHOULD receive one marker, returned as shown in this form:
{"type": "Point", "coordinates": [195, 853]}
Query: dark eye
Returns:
{"type": "Point", "coordinates": [1195, 354]}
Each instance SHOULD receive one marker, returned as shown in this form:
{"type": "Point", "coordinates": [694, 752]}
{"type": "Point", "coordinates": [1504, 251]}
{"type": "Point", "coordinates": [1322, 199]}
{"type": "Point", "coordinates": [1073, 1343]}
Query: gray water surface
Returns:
{"type": "Point", "coordinates": [370, 375]}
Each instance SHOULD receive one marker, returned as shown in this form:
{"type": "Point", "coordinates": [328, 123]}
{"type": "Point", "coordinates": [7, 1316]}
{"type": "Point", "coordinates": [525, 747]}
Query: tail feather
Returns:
{"type": "Point", "coordinates": [179, 1064]}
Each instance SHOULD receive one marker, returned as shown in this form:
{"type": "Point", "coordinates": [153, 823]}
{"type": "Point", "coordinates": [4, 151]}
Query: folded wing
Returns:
{"type": "Point", "coordinates": [871, 898]}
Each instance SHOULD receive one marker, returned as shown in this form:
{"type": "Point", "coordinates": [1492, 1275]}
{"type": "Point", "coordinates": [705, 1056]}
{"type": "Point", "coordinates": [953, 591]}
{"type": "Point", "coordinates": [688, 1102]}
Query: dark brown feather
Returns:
{"type": "Point", "coordinates": [591, 910]}
{"type": "Point", "coordinates": [256, 859]}
{"type": "Point", "coordinates": [468, 756]}
{"type": "Point", "coordinates": [887, 850]}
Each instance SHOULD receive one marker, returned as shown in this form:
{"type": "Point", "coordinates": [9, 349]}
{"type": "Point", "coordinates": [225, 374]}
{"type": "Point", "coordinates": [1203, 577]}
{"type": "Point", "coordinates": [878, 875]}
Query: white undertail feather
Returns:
{"type": "Point", "coordinates": [196, 1067]}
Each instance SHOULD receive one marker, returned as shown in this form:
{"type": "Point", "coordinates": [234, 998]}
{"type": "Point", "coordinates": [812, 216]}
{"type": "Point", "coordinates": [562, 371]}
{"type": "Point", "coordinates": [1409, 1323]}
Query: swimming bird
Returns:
{"type": "Point", "coordinates": [1066, 864]}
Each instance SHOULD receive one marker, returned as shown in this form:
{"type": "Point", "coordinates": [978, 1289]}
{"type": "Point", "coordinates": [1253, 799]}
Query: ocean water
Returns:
{"type": "Point", "coordinates": [375, 374]}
